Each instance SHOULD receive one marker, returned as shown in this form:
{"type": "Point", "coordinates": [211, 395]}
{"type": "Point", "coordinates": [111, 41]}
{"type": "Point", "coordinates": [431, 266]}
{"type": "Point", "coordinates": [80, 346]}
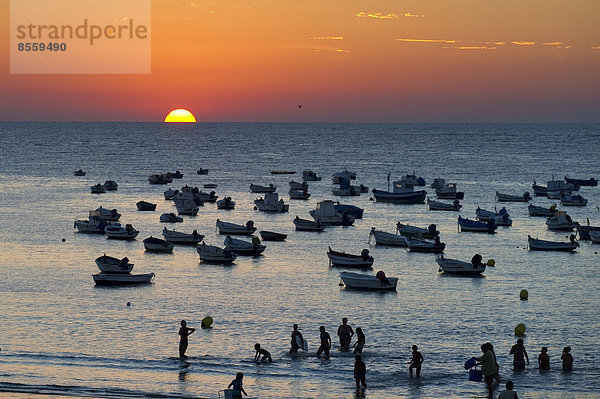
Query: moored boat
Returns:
{"type": "Point", "coordinates": [177, 175]}
{"type": "Point", "coordinates": [308, 225]}
{"type": "Point", "coordinates": [336, 178]}
{"type": "Point", "coordinates": [170, 218]}
{"type": "Point", "coordinates": [79, 172]}
{"type": "Point", "coordinates": [202, 171]}
{"type": "Point", "coordinates": [501, 218]}
{"type": "Point", "coordinates": [160, 178]}
{"type": "Point", "coordinates": [535, 210]}
{"type": "Point", "coordinates": [297, 194]}
{"type": "Point", "coordinates": [455, 266]}
{"type": "Point", "coordinates": [543, 245]}
{"type": "Point", "coordinates": [109, 264]}
{"type": "Point", "coordinates": [122, 279]}
{"type": "Point", "coordinates": [364, 260]}
{"type": "Point", "coordinates": [118, 232]}
{"type": "Point", "coordinates": [170, 193]}
{"type": "Point", "coordinates": [153, 244]}
{"type": "Point", "coordinates": [256, 188]}
{"type": "Point", "coordinates": [356, 211]}
{"type": "Point", "coordinates": [556, 188]}
{"type": "Point", "coordinates": [236, 229]}
{"type": "Point", "coordinates": [283, 172]}
{"type": "Point", "coordinates": [449, 191]}
{"type": "Point", "coordinates": [145, 206]}
{"type": "Point", "coordinates": [476, 226]}
{"type": "Point", "coordinates": [309, 175]}
{"type": "Point", "coordinates": [110, 215]}
{"type": "Point", "coordinates": [595, 236]}
{"type": "Point", "coordinates": [567, 199]}
{"type": "Point", "coordinates": [585, 231]}
{"type": "Point", "coordinates": [560, 221]}
{"type": "Point", "coordinates": [111, 185]}
{"type": "Point", "coordinates": [242, 247]}
{"type": "Point", "coordinates": [413, 231]}
{"type": "Point", "coordinates": [423, 245]}
{"type": "Point", "coordinates": [539, 191]}
{"type": "Point", "coordinates": [185, 202]}
{"type": "Point", "coordinates": [272, 236]}
{"type": "Point", "coordinates": [98, 189]}
{"type": "Point", "coordinates": [325, 213]}
{"type": "Point", "coordinates": [94, 225]}
{"type": "Point", "coordinates": [369, 282]}
{"type": "Point", "coordinates": [226, 203]}
{"type": "Point", "coordinates": [178, 237]}
{"type": "Point", "coordinates": [513, 198]}
{"type": "Point", "coordinates": [345, 189]}
{"type": "Point", "coordinates": [443, 206]}
{"type": "Point", "coordinates": [214, 254]}
{"type": "Point", "coordinates": [271, 203]}
{"type": "Point", "coordinates": [582, 182]}
{"type": "Point", "coordinates": [383, 238]}
{"type": "Point", "coordinates": [294, 185]}
{"type": "Point", "coordinates": [403, 193]}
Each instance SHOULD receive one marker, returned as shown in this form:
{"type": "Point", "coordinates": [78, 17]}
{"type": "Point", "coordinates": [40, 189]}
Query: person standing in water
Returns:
{"type": "Point", "coordinates": [488, 368]}
{"type": "Point", "coordinates": [518, 350]}
{"type": "Point", "coordinates": [544, 359]}
{"type": "Point", "coordinates": [296, 336]}
{"type": "Point", "coordinates": [184, 332]}
{"type": "Point", "coordinates": [567, 359]}
{"type": "Point", "coordinates": [360, 372]}
{"type": "Point", "coordinates": [345, 333]}
{"type": "Point", "coordinates": [415, 363]}
{"type": "Point", "coordinates": [238, 386]}
{"type": "Point", "coordinates": [265, 354]}
{"type": "Point", "coordinates": [325, 343]}
{"type": "Point", "coordinates": [360, 340]}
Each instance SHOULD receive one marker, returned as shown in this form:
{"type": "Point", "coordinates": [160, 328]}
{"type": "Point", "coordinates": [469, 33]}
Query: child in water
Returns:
{"type": "Point", "coordinates": [238, 387]}
{"type": "Point", "coordinates": [265, 354]}
{"type": "Point", "coordinates": [415, 363]}
{"type": "Point", "coordinates": [567, 359]}
{"type": "Point", "coordinates": [544, 359]}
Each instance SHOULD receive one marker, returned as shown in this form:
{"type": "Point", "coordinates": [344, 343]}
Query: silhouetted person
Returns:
{"type": "Point", "coordinates": [345, 333]}
{"type": "Point", "coordinates": [184, 332]}
{"type": "Point", "coordinates": [544, 359]}
{"type": "Point", "coordinates": [520, 354]}
{"type": "Point", "coordinates": [360, 340]}
{"type": "Point", "coordinates": [415, 363]}
{"type": "Point", "coordinates": [237, 386]}
{"type": "Point", "coordinates": [265, 354]}
{"type": "Point", "coordinates": [508, 393]}
{"type": "Point", "coordinates": [567, 359]}
{"type": "Point", "coordinates": [325, 342]}
{"type": "Point", "coordinates": [488, 367]}
{"type": "Point", "coordinates": [295, 340]}
{"type": "Point", "coordinates": [360, 372]}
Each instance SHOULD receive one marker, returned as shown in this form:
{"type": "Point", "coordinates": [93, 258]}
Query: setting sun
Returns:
{"type": "Point", "coordinates": [180, 115]}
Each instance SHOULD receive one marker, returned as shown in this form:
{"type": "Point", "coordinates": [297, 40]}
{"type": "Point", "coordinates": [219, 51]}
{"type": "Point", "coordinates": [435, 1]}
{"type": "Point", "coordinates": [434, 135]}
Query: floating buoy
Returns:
{"type": "Point", "coordinates": [491, 262]}
{"type": "Point", "coordinates": [63, 240]}
{"type": "Point", "coordinates": [255, 208]}
{"type": "Point", "coordinates": [207, 322]}
{"type": "Point", "coordinates": [520, 329]}
{"type": "Point", "coordinates": [370, 198]}
{"type": "Point", "coordinates": [524, 295]}
{"type": "Point", "coordinates": [128, 303]}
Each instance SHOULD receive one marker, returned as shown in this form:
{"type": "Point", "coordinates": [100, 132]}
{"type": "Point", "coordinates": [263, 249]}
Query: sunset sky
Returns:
{"type": "Point", "coordinates": [346, 60]}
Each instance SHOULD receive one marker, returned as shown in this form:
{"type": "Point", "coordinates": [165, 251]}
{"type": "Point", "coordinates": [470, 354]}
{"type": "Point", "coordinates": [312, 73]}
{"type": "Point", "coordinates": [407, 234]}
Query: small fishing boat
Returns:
{"type": "Point", "coordinates": [413, 179]}
{"type": "Point", "coordinates": [185, 202]}
{"type": "Point", "coordinates": [354, 210]}
{"type": "Point", "coordinates": [476, 226]}
{"type": "Point", "coordinates": [98, 189]}
{"type": "Point", "coordinates": [582, 182]}
{"type": "Point", "coordinates": [210, 185]}
{"type": "Point", "coordinates": [170, 193]}
{"type": "Point", "coordinates": [308, 225]}
{"type": "Point", "coordinates": [567, 199]}
{"type": "Point", "coordinates": [145, 206]}
{"type": "Point", "coordinates": [294, 185]}
{"type": "Point", "coordinates": [283, 172]}
{"type": "Point", "coordinates": [412, 231]}
{"type": "Point", "coordinates": [369, 282]}
{"type": "Point", "coordinates": [560, 221]}
{"type": "Point", "coordinates": [79, 173]}
{"type": "Point", "coordinates": [160, 178]}
{"type": "Point", "coordinates": [271, 203]}
{"type": "Point", "coordinates": [449, 191]}
{"type": "Point", "coordinates": [595, 236]}
{"type": "Point", "coordinates": [178, 237]}
{"type": "Point", "coordinates": [200, 197]}
{"type": "Point", "coordinates": [202, 171]}
{"type": "Point", "coordinates": [556, 188]}
{"type": "Point", "coordinates": [153, 244]}
{"type": "Point", "coordinates": [242, 247]}
{"type": "Point", "coordinates": [428, 246]}
{"type": "Point", "coordinates": [455, 266]}
{"type": "Point", "coordinates": [109, 264]}
{"type": "Point", "coordinates": [297, 194]}
{"type": "Point", "coordinates": [443, 206]}
{"type": "Point", "coordinates": [539, 191]}
{"type": "Point", "coordinates": [122, 279]}
{"type": "Point", "coordinates": [535, 210]}
{"type": "Point", "coordinates": [309, 175]}
{"type": "Point", "coordinates": [111, 215]}
{"type": "Point", "coordinates": [255, 188]}
{"type": "Point", "coordinates": [214, 254]}
{"type": "Point", "coordinates": [272, 236]}
{"type": "Point", "coordinates": [364, 260]}
{"type": "Point", "coordinates": [111, 185]}
{"type": "Point", "coordinates": [118, 232]}
{"type": "Point", "coordinates": [501, 218]}
{"type": "Point", "coordinates": [170, 218]}
{"type": "Point", "coordinates": [177, 175]}
{"type": "Point", "coordinates": [585, 231]}
{"type": "Point", "coordinates": [526, 197]}
{"type": "Point", "coordinates": [94, 225]}
{"type": "Point", "coordinates": [325, 213]}
{"type": "Point", "coordinates": [226, 203]}
{"type": "Point", "coordinates": [383, 238]}
{"type": "Point", "coordinates": [543, 245]}
{"type": "Point", "coordinates": [236, 229]}
{"type": "Point", "coordinates": [347, 175]}
{"type": "Point", "coordinates": [438, 183]}
{"type": "Point", "coordinates": [403, 193]}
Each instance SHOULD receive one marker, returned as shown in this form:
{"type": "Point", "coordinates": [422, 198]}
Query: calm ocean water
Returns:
{"type": "Point", "coordinates": [61, 335]}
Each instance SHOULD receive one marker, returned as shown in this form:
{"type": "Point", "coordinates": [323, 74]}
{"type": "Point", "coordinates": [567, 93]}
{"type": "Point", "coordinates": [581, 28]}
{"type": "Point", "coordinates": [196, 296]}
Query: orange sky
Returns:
{"type": "Point", "coordinates": [346, 60]}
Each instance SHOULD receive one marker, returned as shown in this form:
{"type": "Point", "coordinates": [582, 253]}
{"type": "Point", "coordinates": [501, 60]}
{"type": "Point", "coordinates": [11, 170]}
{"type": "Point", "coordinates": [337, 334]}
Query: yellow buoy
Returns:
{"type": "Point", "coordinates": [520, 329]}
{"type": "Point", "coordinates": [524, 295]}
{"type": "Point", "coordinates": [207, 322]}
{"type": "Point", "coordinates": [491, 262]}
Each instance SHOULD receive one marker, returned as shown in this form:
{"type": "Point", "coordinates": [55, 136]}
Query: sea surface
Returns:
{"type": "Point", "coordinates": [62, 335]}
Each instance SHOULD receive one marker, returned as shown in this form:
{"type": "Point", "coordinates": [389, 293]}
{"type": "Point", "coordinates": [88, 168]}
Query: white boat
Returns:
{"type": "Point", "coordinates": [501, 218]}
{"type": "Point", "coordinates": [297, 194]}
{"type": "Point", "coordinates": [539, 191]}
{"type": "Point", "coordinates": [153, 244]}
{"type": "Point", "coordinates": [543, 245]}
{"type": "Point", "coordinates": [110, 215]}
{"type": "Point", "coordinates": [423, 245]}
{"type": "Point", "coordinates": [111, 185]}
{"type": "Point", "coordinates": [170, 193]}
{"type": "Point", "coordinates": [403, 193]}
{"type": "Point", "coordinates": [177, 237]}
{"type": "Point", "coordinates": [118, 232]}
{"type": "Point", "coordinates": [560, 221]}
{"type": "Point", "coordinates": [595, 236]}
{"type": "Point", "coordinates": [455, 266]}
{"type": "Point", "coordinates": [214, 254]}
{"type": "Point", "coordinates": [347, 260]}
{"type": "Point", "coordinates": [98, 189]}
{"type": "Point", "coordinates": [185, 202]}
{"type": "Point", "coordinates": [236, 229]}
{"type": "Point", "coordinates": [369, 282]}
{"type": "Point", "coordinates": [438, 183]}
{"type": "Point", "coordinates": [308, 225]}
{"type": "Point", "coordinates": [567, 199]}
{"type": "Point", "coordinates": [526, 197]}
{"type": "Point", "coordinates": [556, 188]}
{"type": "Point", "coordinates": [225, 203]}
{"type": "Point", "coordinates": [449, 192]}
{"type": "Point", "coordinates": [326, 213]}
{"type": "Point", "coordinates": [122, 279]}
{"type": "Point", "coordinates": [413, 231]}
{"type": "Point", "coordinates": [443, 206]}
{"type": "Point", "coordinates": [271, 203]}
{"type": "Point", "coordinates": [309, 175]}
{"type": "Point", "coordinates": [383, 238]}
{"type": "Point", "coordinates": [255, 188]}
{"type": "Point", "coordinates": [347, 175]}
{"type": "Point", "coordinates": [541, 211]}
{"type": "Point", "coordinates": [109, 264]}
{"type": "Point", "coordinates": [170, 218]}
{"type": "Point", "coordinates": [294, 185]}
{"type": "Point", "coordinates": [95, 224]}
{"type": "Point", "coordinates": [242, 247]}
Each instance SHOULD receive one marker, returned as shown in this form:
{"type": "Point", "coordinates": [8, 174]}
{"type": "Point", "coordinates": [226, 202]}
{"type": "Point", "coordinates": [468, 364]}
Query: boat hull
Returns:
{"type": "Point", "coordinates": [272, 236]}
{"type": "Point", "coordinates": [454, 266]}
{"type": "Point", "coordinates": [389, 239]}
{"type": "Point", "coordinates": [122, 279]}
{"type": "Point", "coordinates": [158, 245]}
{"type": "Point", "coordinates": [416, 197]}
{"type": "Point", "coordinates": [366, 282]}
{"type": "Point", "coordinates": [348, 260]}
{"type": "Point", "coordinates": [542, 245]}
